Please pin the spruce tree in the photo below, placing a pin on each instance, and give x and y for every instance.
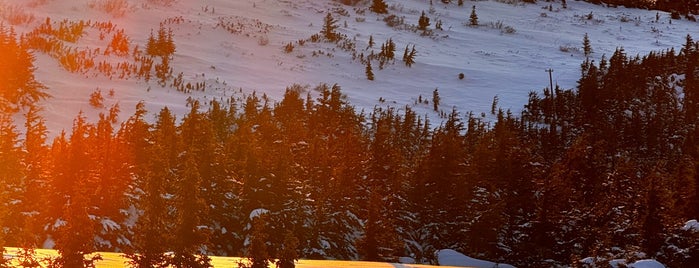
(18, 87)
(587, 48)
(36, 166)
(190, 205)
(371, 41)
(409, 57)
(390, 49)
(257, 251)
(379, 6)
(329, 28)
(73, 189)
(473, 19)
(423, 22)
(369, 71)
(289, 251)
(155, 162)
(435, 99)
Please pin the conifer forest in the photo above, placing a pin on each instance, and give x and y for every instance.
(609, 168)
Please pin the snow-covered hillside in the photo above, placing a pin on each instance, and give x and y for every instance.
(237, 46)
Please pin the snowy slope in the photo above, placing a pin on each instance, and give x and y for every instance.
(251, 58)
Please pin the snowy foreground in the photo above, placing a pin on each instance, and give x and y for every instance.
(449, 257)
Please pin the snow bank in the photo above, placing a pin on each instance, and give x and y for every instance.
(615, 263)
(646, 264)
(691, 225)
(450, 257)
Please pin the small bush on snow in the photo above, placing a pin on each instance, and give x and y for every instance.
(15, 14)
(116, 8)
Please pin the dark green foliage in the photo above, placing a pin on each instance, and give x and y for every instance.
(369, 72)
(409, 56)
(587, 47)
(379, 7)
(18, 88)
(289, 251)
(257, 251)
(473, 19)
(681, 7)
(329, 30)
(162, 45)
(436, 100)
(423, 22)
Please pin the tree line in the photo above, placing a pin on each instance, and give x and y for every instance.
(608, 169)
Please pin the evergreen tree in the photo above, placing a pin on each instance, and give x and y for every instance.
(10, 174)
(371, 41)
(190, 206)
(587, 48)
(423, 22)
(73, 188)
(18, 87)
(435, 100)
(36, 166)
(150, 240)
(257, 251)
(289, 253)
(409, 57)
(369, 71)
(329, 30)
(379, 6)
(473, 19)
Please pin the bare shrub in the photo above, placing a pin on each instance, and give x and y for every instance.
(263, 40)
(96, 99)
(15, 14)
(569, 49)
(36, 3)
(166, 3)
(116, 8)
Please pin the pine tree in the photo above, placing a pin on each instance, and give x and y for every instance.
(435, 99)
(329, 28)
(18, 87)
(10, 174)
(423, 22)
(390, 49)
(409, 57)
(473, 19)
(379, 6)
(154, 163)
(289, 251)
(371, 41)
(587, 48)
(369, 71)
(190, 205)
(36, 166)
(257, 251)
(73, 187)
